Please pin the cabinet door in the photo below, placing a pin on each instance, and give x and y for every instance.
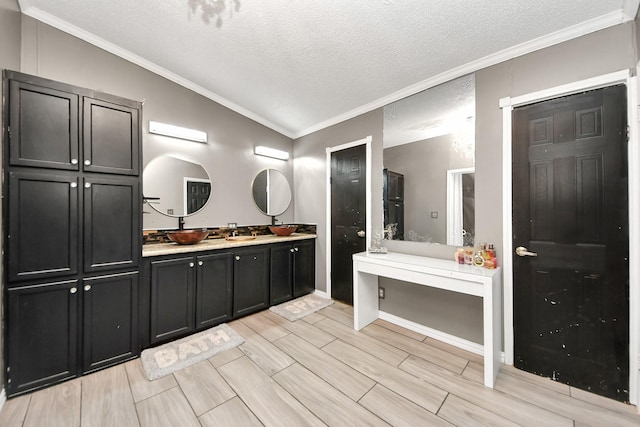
(111, 223)
(304, 268)
(42, 330)
(43, 125)
(110, 320)
(250, 280)
(172, 298)
(43, 224)
(111, 137)
(213, 289)
(281, 274)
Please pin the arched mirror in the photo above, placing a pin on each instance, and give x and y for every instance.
(176, 185)
(271, 192)
(429, 165)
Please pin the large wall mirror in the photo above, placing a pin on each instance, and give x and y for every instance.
(271, 192)
(176, 185)
(429, 165)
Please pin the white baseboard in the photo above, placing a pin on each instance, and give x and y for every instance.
(436, 334)
(322, 294)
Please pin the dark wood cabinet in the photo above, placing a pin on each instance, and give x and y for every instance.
(72, 207)
(292, 270)
(42, 231)
(111, 132)
(189, 293)
(250, 280)
(43, 126)
(304, 267)
(111, 222)
(172, 298)
(42, 335)
(110, 312)
(214, 281)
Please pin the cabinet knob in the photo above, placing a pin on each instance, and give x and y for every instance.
(73, 184)
(200, 263)
(296, 249)
(191, 265)
(291, 250)
(87, 162)
(87, 185)
(74, 161)
(73, 290)
(237, 257)
(87, 287)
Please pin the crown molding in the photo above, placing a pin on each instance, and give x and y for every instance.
(625, 14)
(86, 36)
(587, 27)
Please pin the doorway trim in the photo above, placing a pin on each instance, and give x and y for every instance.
(454, 205)
(364, 141)
(508, 104)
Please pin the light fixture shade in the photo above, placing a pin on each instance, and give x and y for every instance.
(177, 132)
(271, 152)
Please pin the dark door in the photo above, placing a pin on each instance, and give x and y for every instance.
(111, 137)
(42, 324)
(571, 305)
(281, 272)
(172, 298)
(250, 280)
(43, 125)
(348, 217)
(198, 194)
(111, 222)
(214, 280)
(110, 327)
(42, 224)
(304, 268)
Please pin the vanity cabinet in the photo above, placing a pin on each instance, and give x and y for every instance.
(189, 293)
(72, 229)
(250, 280)
(292, 272)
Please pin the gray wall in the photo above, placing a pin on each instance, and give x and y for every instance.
(310, 176)
(9, 59)
(599, 53)
(228, 157)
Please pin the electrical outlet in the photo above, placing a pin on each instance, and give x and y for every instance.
(381, 293)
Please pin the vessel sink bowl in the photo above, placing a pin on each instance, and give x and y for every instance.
(187, 237)
(283, 230)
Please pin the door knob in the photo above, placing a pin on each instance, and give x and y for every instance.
(361, 233)
(522, 251)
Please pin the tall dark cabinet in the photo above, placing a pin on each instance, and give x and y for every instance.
(72, 230)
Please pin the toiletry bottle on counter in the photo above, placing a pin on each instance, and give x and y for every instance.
(459, 256)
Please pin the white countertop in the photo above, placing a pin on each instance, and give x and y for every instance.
(157, 249)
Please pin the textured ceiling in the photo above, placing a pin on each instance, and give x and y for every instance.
(299, 66)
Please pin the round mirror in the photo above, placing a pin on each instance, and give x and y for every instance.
(176, 185)
(271, 192)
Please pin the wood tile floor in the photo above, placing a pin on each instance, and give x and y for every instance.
(318, 371)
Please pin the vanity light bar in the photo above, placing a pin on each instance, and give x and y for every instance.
(271, 152)
(177, 132)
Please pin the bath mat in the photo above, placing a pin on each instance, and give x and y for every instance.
(301, 307)
(173, 356)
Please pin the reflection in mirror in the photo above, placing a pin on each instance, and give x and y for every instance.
(176, 185)
(271, 192)
(429, 160)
